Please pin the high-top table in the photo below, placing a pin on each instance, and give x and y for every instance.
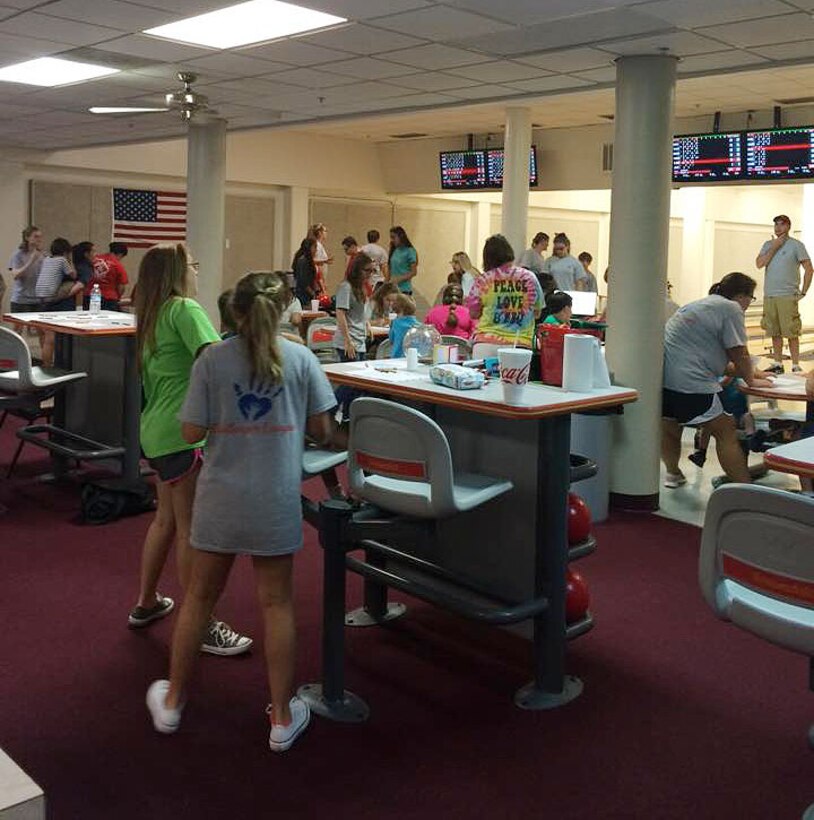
(796, 458)
(106, 406)
(516, 547)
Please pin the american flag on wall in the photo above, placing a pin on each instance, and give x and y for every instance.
(143, 218)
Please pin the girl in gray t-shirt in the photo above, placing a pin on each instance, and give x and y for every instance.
(255, 396)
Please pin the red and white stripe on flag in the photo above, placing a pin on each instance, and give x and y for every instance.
(142, 218)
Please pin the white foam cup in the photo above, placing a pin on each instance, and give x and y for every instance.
(412, 358)
(514, 364)
(315, 305)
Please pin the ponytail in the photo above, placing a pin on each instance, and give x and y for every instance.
(734, 284)
(257, 305)
(452, 296)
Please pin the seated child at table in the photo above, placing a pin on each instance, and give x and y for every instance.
(405, 319)
(450, 318)
(558, 306)
(737, 405)
(380, 304)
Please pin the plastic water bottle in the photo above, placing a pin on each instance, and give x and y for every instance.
(95, 299)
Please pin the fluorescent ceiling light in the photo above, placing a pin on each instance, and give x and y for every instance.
(50, 71)
(254, 22)
(121, 110)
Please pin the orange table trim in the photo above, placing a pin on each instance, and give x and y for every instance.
(788, 465)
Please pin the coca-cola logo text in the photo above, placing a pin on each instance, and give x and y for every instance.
(515, 375)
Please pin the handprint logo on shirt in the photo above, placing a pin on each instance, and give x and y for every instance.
(256, 401)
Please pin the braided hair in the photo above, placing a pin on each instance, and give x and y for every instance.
(453, 296)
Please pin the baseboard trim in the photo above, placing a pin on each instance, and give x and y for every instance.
(634, 503)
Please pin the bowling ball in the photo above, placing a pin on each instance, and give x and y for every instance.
(579, 519)
(577, 597)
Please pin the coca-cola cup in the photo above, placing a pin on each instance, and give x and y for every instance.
(514, 363)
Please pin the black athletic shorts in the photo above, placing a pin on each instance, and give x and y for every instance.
(174, 467)
(685, 407)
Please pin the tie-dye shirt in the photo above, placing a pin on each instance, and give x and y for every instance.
(507, 298)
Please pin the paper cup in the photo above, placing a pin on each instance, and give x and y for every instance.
(412, 359)
(514, 363)
(315, 305)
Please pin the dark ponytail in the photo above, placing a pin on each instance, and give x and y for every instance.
(734, 284)
(452, 296)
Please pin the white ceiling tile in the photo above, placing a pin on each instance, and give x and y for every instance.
(499, 71)
(529, 12)
(248, 87)
(369, 68)
(56, 29)
(442, 23)
(295, 52)
(432, 81)
(570, 59)
(142, 45)
(477, 92)
(361, 39)
(784, 29)
(554, 82)
(112, 13)
(57, 119)
(680, 43)
(696, 13)
(234, 64)
(788, 51)
(435, 56)
(361, 92)
(12, 48)
(23, 4)
(365, 9)
(720, 60)
(599, 75)
(7, 11)
(309, 78)
(182, 8)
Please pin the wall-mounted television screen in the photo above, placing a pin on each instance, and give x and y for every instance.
(707, 157)
(478, 169)
(782, 153)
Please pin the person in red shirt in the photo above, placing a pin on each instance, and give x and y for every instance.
(110, 275)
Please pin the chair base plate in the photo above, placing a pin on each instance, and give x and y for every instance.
(532, 698)
(361, 617)
(351, 709)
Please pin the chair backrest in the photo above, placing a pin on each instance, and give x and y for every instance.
(385, 349)
(15, 355)
(397, 442)
(756, 566)
(287, 327)
(320, 338)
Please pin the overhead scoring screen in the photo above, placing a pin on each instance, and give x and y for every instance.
(707, 157)
(782, 153)
(468, 170)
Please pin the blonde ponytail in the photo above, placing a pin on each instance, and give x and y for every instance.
(257, 304)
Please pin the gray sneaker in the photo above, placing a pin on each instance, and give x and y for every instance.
(221, 639)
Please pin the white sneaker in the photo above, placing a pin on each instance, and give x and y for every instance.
(221, 639)
(165, 720)
(796, 369)
(673, 480)
(282, 738)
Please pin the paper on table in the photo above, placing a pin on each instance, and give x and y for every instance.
(785, 382)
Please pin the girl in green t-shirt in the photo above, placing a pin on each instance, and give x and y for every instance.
(171, 330)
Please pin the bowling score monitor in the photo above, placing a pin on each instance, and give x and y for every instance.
(707, 157)
(780, 153)
(479, 169)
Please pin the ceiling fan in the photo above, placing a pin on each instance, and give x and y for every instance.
(185, 101)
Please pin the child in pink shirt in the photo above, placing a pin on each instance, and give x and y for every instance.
(450, 318)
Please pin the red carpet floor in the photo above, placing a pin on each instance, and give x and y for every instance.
(682, 716)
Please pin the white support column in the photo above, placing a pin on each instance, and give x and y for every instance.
(13, 214)
(515, 207)
(297, 219)
(640, 222)
(807, 238)
(481, 228)
(206, 185)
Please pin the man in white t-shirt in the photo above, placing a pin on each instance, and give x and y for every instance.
(379, 256)
(782, 257)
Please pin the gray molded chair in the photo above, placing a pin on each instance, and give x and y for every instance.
(399, 459)
(756, 566)
(316, 460)
(385, 349)
(25, 377)
(320, 339)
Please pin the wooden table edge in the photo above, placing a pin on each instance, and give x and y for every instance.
(788, 465)
(123, 330)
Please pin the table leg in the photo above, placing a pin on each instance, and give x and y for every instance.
(63, 359)
(551, 687)
(132, 412)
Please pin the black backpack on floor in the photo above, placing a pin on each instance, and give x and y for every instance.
(106, 501)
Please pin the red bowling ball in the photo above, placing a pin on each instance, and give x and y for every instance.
(579, 519)
(577, 597)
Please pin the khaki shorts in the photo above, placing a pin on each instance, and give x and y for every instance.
(781, 316)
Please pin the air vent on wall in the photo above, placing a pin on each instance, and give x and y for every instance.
(409, 135)
(797, 101)
(607, 157)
